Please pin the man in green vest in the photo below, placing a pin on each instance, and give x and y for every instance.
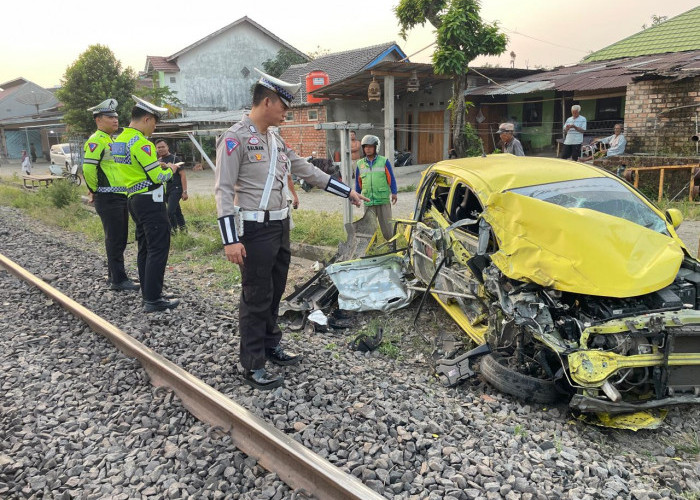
(100, 172)
(144, 176)
(374, 178)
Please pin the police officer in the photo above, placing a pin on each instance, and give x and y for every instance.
(100, 172)
(143, 176)
(252, 162)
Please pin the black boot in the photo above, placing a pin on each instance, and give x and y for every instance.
(127, 284)
(159, 305)
(279, 357)
(260, 379)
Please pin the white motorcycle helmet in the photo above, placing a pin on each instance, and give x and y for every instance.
(370, 140)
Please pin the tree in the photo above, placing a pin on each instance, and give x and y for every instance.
(655, 21)
(92, 78)
(461, 37)
(162, 96)
(284, 59)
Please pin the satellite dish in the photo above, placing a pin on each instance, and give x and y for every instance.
(34, 97)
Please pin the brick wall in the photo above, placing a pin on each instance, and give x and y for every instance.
(652, 125)
(300, 134)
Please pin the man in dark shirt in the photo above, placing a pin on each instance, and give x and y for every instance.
(175, 189)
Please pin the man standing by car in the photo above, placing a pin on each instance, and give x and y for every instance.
(175, 189)
(510, 144)
(574, 127)
(144, 176)
(375, 179)
(252, 163)
(101, 173)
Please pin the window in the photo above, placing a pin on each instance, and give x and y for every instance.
(172, 79)
(532, 112)
(601, 194)
(609, 108)
(312, 115)
(289, 117)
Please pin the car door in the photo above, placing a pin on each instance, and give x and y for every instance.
(441, 245)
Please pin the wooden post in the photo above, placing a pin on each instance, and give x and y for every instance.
(661, 185)
(692, 184)
(636, 178)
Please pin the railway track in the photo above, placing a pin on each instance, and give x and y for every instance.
(308, 474)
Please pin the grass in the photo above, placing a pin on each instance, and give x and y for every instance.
(200, 248)
(686, 442)
(690, 210)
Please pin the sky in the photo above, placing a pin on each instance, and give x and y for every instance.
(43, 38)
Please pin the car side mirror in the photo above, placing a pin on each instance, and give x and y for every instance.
(674, 217)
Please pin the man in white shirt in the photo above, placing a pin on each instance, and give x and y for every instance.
(574, 127)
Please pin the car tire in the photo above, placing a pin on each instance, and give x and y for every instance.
(495, 369)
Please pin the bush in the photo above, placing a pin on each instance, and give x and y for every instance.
(62, 193)
(472, 140)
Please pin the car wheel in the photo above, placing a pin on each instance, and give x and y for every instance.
(497, 372)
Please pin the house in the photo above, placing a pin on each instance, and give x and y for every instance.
(415, 118)
(216, 73)
(650, 81)
(29, 115)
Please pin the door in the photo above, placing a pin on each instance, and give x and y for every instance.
(431, 126)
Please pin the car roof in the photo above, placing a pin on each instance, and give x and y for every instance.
(502, 172)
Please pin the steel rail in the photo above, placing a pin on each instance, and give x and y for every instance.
(297, 466)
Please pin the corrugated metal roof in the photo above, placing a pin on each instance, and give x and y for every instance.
(678, 34)
(597, 76)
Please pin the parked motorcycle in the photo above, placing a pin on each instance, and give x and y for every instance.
(403, 158)
(326, 165)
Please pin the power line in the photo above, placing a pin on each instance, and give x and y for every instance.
(544, 41)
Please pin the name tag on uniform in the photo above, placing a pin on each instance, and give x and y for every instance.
(118, 148)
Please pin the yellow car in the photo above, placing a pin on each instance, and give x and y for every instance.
(579, 285)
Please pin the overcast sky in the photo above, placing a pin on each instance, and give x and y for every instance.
(40, 39)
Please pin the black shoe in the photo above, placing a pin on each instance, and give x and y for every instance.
(279, 357)
(124, 285)
(159, 305)
(260, 379)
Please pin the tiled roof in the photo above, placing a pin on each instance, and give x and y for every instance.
(340, 65)
(159, 63)
(599, 75)
(678, 34)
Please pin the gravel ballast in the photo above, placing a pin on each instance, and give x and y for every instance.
(79, 419)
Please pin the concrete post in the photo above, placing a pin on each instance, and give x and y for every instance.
(389, 118)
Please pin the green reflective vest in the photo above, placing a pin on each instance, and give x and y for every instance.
(99, 168)
(374, 183)
(139, 168)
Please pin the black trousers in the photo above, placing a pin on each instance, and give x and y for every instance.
(153, 237)
(264, 276)
(114, 214)
(177, 220)
(571, 150)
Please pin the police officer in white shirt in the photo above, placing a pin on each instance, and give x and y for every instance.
(252, 163)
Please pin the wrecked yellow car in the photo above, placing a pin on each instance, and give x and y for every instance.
(577, 284)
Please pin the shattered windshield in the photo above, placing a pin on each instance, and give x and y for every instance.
(601, 194)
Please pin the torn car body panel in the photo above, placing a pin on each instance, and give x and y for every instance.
(371, 284)
(577, 249)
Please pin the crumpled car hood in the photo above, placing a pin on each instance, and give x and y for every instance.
(579, 250)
